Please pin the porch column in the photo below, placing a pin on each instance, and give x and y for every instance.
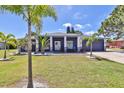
(65, 44)
(37, 46)
(51, 43)
(79, 44)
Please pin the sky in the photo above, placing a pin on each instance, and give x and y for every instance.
(86, 18)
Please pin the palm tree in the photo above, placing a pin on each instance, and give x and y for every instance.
(21, 42)
(90, 40)
(32, 14)
(44, 42)
(8, 39)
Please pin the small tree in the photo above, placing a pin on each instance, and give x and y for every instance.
(78, 32)
(90, 40)
(44, 42)
(7, 40)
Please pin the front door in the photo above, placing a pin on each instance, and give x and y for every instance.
(57, 45)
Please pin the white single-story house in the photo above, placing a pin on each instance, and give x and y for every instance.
(66, 42)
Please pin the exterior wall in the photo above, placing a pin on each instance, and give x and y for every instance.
(97, 45)
(48, 48)
(116, 44)
(74, 39)
(33, 45)
(39, 46)
(23, 49)
(84, 47)
(62, 43)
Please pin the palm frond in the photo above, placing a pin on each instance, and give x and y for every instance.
(15, 9)
(85, 37)
(44, 11)
(22, 42)
(2, 37)
(12, 40)
(40, 11)
(91, 39)
(43, 41)
(10, 36)
(8, 39)
(11, 43)
(37, 22)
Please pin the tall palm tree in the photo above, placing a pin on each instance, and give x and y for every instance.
(32, 14)
(8, 39)
(90, 40)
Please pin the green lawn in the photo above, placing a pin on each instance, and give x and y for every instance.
(64, 71)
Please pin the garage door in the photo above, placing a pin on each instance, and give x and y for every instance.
(97, 45)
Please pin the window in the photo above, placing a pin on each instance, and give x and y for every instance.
(69, 44)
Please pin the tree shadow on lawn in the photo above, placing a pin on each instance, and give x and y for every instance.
(38, 82)
(19, 54)
(7, 59)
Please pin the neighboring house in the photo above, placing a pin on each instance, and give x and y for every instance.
(115, 44)
(66, 42)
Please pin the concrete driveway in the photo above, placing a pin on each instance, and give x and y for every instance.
(114, 56)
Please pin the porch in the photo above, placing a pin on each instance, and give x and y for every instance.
(65, 44)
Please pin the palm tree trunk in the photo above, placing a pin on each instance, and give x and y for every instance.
(5, 51)
(30, 82)
(91, 46)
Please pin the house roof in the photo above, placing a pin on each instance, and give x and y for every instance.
(63, 34)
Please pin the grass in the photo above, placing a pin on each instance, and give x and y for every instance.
(64, 71)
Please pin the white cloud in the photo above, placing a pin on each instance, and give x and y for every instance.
(86, 26)
(60, 29)
(78, 26)
(79, 16)
(89, 33)
(67, 24)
